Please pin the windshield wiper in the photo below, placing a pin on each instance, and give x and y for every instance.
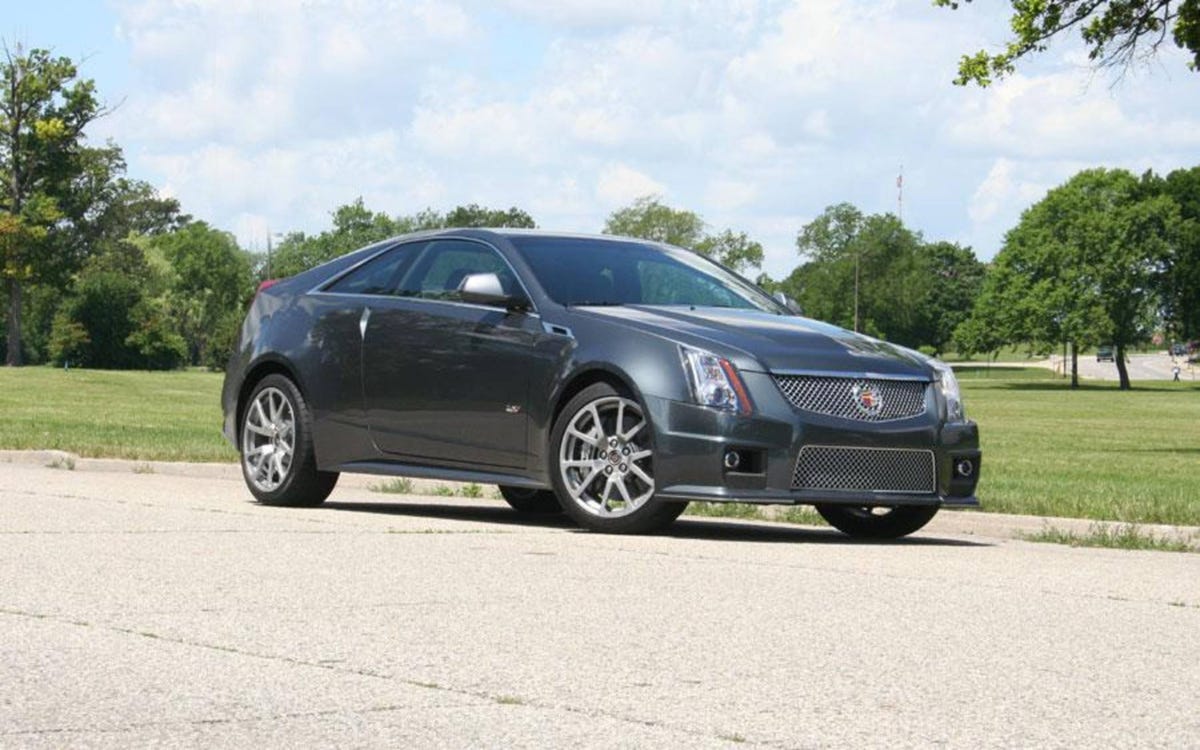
(590, 303)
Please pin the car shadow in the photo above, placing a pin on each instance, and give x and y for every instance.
(686, 527)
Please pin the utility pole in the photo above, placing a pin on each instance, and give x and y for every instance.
(268, 253)
(900, 195)
(857, 252)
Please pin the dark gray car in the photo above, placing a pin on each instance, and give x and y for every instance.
(611, 378)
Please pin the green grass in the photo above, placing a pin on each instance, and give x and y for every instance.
(1125, 536)
(1006, 354)
(724, 510)
(798, 514)
(145, 416)
(1093, 453)
(400, 486)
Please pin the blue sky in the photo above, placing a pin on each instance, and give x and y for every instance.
(263, 116)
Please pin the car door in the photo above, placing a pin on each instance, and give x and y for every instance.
(443, 380)
(334, 352)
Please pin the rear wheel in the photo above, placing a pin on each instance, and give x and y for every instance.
(530, 501)
(603, 464)
(278, 462)
(877, 523)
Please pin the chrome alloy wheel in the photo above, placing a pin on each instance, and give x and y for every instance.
(605, 464)
(269, 439)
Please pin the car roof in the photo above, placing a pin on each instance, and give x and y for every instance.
(515, 232)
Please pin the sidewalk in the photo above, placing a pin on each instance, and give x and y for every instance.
(965, 522)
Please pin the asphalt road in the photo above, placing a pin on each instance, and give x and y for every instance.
(141, 609)
(1157, 366)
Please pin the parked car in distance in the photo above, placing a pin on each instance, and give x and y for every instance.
(1105, 354)
(609, 378)
(1178, 350)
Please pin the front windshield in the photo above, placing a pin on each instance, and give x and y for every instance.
(584, 271)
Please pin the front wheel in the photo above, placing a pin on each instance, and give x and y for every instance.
(278, 461)
(877, 523)
(603, 464)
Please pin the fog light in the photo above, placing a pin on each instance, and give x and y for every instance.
(733, 459)
(964, 468)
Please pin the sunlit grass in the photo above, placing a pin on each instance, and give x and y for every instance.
(168, 416)
(1095, 452)
(1125, 536)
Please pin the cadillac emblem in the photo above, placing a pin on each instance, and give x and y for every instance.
(866, 399)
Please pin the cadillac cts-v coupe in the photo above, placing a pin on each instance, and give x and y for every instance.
(610, 378)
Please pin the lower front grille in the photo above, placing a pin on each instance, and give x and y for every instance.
(865, 470)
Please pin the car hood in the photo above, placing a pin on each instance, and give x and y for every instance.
(773, 343)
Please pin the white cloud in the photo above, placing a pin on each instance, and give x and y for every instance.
(756, 113)
(618, 184)
(729, 194)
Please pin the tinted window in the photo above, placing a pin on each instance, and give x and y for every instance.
(379, 275)
(445, 263)
(580, 271)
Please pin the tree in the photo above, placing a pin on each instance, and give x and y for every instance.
(733, 250)
(210, 276)
(356, 226)
(474, 215)
(1083, 266)
(648, 218)
(43, 112)
(1117, 33)
(1180, 285)
(956, 276)
(872, 274)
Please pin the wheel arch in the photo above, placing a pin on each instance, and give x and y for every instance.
(254, 375)
(589, 375)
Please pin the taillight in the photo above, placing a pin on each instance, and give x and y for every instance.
(267, 285)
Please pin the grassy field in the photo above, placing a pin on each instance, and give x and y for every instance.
(1092, 453)
(168, 416)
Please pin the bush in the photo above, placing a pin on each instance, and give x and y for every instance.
(158, 346)
(69, 340)
(222, 341)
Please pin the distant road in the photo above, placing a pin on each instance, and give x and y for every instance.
(1156, 366)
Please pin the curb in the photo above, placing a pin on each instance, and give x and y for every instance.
(960, 522)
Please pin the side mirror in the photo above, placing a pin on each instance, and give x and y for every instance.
(788, 302)
(486, 289)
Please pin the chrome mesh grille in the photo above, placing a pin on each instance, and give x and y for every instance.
(839, 397)
(865, 469)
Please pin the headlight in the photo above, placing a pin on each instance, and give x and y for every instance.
(948, 387)
(714, 381)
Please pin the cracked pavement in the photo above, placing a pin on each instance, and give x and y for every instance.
(142, 609)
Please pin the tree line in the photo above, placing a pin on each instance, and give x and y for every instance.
(101, 271)
(1105, 258)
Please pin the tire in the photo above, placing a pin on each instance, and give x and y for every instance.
(877, 523)
(275, 412)
(589, 462)
(524, 500)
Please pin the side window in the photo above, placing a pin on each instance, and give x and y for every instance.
(445, 263)
(379, 275)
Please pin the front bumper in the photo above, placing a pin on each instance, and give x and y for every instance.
(691, 443)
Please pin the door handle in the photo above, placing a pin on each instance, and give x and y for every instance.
(362, 322)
